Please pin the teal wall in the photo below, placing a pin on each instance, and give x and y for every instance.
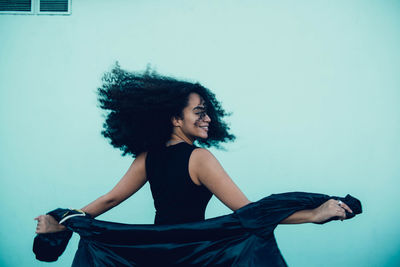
(314, 88)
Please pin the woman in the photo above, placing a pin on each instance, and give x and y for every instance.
(157, 119)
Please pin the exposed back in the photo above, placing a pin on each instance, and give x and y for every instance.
(176, 198)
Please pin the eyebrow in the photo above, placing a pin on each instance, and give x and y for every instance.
(199, 108)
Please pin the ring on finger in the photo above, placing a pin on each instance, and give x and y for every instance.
(339, 203)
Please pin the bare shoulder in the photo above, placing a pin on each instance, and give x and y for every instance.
(205, 170)
(139, 162)
(141, 156)
(199, 160)
(201, 156)
(203, 163)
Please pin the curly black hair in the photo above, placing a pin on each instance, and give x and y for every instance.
(140, 106)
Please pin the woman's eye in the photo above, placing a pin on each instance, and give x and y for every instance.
(201, 114)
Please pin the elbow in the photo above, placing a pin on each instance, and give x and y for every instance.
(240, 205)
(110, 201)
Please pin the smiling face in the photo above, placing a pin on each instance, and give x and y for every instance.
(195, 121)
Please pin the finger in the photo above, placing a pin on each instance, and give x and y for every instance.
(344, 205)
(339, 212)
(342, 214)
(39, 217)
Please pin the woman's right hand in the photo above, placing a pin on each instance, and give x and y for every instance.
(329, 209)
(47, 224)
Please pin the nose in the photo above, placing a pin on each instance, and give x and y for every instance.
(207, 118)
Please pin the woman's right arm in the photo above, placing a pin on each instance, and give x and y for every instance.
(129, 184)
(206, 170)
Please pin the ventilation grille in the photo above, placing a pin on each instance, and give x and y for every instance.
(35, 7)
(16, 5)
(53, 6)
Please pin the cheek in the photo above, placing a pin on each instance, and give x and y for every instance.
(198, 123)
(195, 121)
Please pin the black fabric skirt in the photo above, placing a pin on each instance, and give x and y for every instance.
(243, 238)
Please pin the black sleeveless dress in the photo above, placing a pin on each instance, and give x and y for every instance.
(176, 198)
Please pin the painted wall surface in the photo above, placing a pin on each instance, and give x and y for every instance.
(314, 88)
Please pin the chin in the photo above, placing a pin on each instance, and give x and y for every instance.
(202, 136)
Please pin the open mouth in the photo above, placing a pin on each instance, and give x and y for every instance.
(204, 127)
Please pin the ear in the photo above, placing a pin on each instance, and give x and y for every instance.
(176, 121)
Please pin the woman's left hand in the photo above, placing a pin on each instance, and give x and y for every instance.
(329, 209)
(47, 224)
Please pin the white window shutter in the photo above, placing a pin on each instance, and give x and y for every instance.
(15, 5)
(54, 6)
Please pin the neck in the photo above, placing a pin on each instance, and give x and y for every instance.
(178, 138)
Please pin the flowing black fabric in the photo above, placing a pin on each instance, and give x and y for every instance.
(243, 238)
